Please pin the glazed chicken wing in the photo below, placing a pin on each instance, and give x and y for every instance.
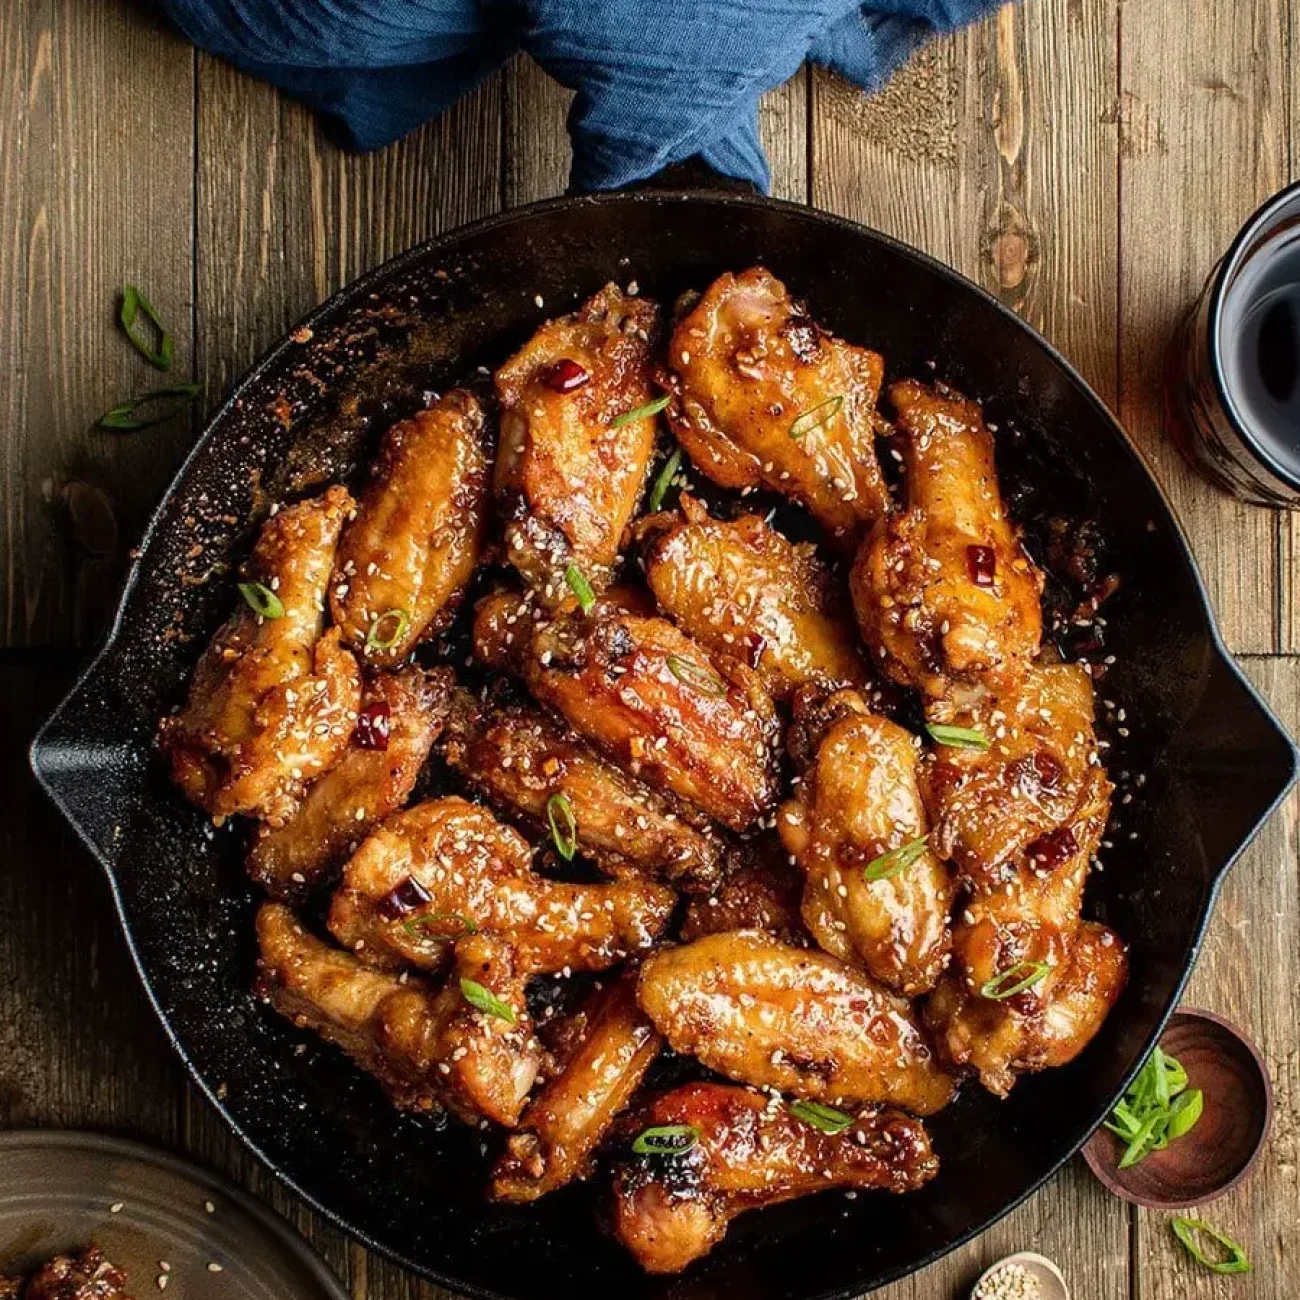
(404, 561)
(748, 1151)
(274, 698)
(447, 867)
(527, 763)
(944, 591)
(767, 1014)
(401, 716)
(571, 465)
(559, 1132)
(857, 802)
(761, 893)
(741, 589)
(764, 397)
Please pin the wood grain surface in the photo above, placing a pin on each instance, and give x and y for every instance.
(1085, 160)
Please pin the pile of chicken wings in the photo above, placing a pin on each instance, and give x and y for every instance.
(685, 788)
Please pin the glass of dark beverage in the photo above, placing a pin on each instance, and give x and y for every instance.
(1235, 390)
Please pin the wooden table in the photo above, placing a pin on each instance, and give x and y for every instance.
(1087, 160)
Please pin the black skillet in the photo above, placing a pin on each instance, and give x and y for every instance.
(1212, 759)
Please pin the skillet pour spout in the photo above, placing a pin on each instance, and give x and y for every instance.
(1211, 759)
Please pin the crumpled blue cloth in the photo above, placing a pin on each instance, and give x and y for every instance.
(657, 81)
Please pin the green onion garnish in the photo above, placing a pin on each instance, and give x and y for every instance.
(697, 678)
(486, 1001)
(134, 302)
(1234, 1261)
(427, 927)
(641, 412)
(580, 587)
(173, 400)
(377, 640)
(957, 737)
(666, 1140)
(820, 414)
(826, 1118)
(896, 860)
(1157, 1108)
(1023, 975)
(665, 479)
(564, 825)
(261, 600)
(1184, 1114)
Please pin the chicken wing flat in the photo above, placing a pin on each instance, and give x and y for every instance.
(858, 802)
(527, 763)
(945, 591)
(761, 893)
(767, 1014)
(568, 1118)
(764, 397)
(742, 589)
(749, 1151)
(401, 716)
(447, 867)
(85, 1275)
(571, 464)
(404, 561)
(274, 698)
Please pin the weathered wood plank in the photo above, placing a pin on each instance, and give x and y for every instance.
(1202, 125)
(1248, 972)
(1289, 613)
(95, 191)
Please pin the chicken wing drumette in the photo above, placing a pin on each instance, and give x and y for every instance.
(742, 589)
(273, 700)
(446, 867)
(764, 1013)
(944, 591)
(401, 716)
(404, 561)
(575, 445)
(764, 397)
(746, 1150)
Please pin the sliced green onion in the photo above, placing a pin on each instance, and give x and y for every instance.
(826, 1118)
(134, 302)
(1023, 975)
(818, 415)
(1157, 1109)
(1185, 1113)
(957, 737)
(427, 927)
(580, 587)
(126, 415)
(697, 678)
(261, 599)
(375, 640)
(1159, 1078)
(664, 481)
(559, 812)
(1234, 1261)
(486, 1001)
(1144, 1141)
(890, 864)
(666, 1140)
(641, 412)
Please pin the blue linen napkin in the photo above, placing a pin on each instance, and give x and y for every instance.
(657, 81)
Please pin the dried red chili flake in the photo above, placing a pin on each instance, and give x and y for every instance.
(1048, 769)
(566, 375)
(1052, 850)
(982, 562)
(373, 725)
(403, 899)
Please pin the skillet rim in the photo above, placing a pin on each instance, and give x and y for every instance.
(356, 288)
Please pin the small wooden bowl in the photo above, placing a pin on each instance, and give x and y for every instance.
(1218, 1153)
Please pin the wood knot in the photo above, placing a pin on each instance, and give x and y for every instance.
(1011, 255)
(91, 515)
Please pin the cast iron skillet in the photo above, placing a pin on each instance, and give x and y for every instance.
(1214, 760)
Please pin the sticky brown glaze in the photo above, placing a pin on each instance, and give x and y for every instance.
(273, 700)
(761, 892)
(361, 789)
(569, 474)
(751, 1151)
(858, 801)
(447, 866)
(774, 1016)
(84, 1275)
(944, 591)
(521, 759)
(417, 533)
(741, 589)
(566, 1121)
(747, 361)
